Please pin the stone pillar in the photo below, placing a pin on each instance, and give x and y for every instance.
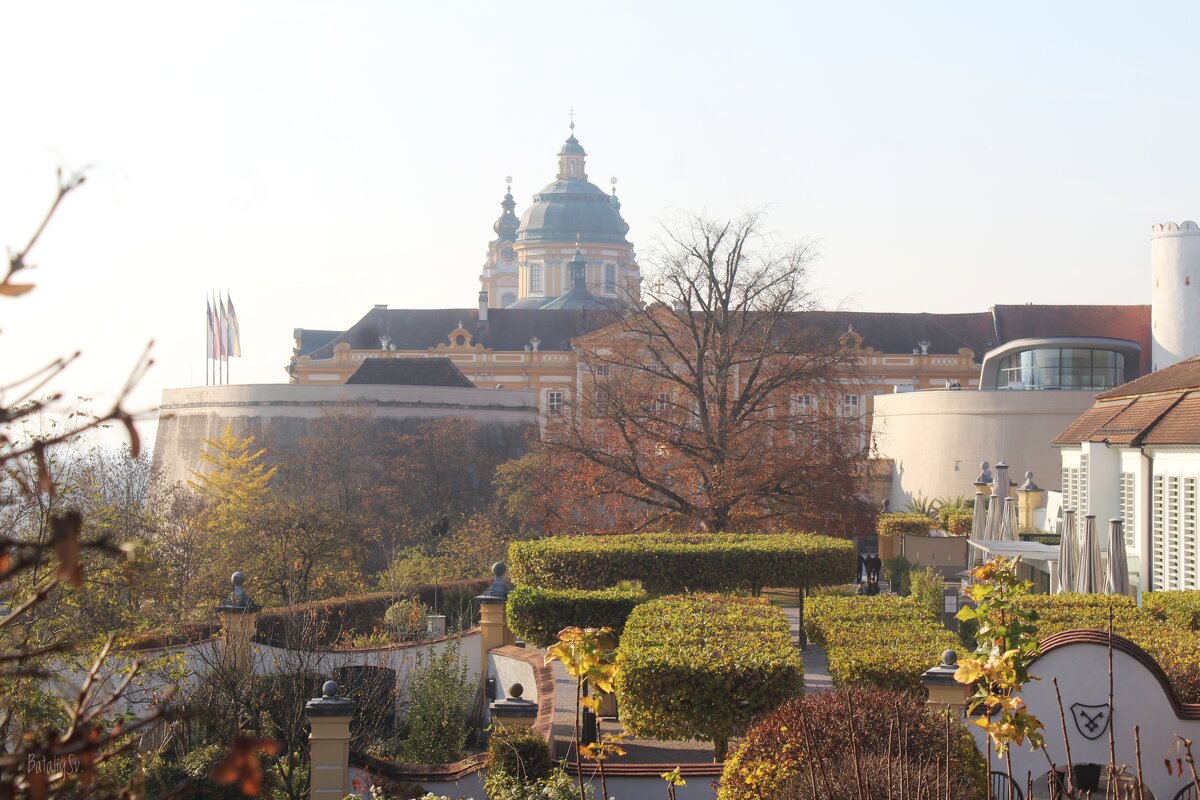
(944, 691)
(239, 619)
(329, 744)
(1030, 497)
(493, 625)
(514, 711)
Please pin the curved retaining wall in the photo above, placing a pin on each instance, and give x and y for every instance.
(937, 438)
(280, 415)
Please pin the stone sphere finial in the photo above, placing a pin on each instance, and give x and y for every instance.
(1029, 475)
(949, 658)
(499, 569)
(329, 689)
(516, 690)
(238, 578)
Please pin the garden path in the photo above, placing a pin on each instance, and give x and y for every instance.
(816, 664)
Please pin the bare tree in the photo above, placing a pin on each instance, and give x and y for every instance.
(715, 402)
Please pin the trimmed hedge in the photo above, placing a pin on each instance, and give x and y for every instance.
(956, 521)
(899, 523)
(1181, 608)
(667, 563)
(884, 641)
(704, 666)
(324, 622)
(537, 615)
(1041, 538)
(1168, 640)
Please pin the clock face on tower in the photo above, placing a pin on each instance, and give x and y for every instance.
(508, 255)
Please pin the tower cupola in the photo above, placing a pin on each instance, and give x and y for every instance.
(506, 225)
(571, 158)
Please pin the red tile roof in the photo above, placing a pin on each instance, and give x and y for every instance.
(1091, 421)
(1181, 425)
(1162, 408)
(1177, 377)
(1134, 420)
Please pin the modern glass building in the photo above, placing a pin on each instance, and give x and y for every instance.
(1083, 364)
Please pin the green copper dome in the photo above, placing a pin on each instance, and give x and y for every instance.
(572, 206)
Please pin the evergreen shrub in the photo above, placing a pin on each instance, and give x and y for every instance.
(901, 523)
(704, 666)
(537, 615)
(520, 753)
(668, 563)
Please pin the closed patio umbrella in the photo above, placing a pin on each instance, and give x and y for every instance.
(1000, 488)
(1089, 579)
(1116, 577)
(978, 528)
(1007, 532)
(1068, 553)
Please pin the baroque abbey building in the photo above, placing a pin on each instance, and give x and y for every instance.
(529, 262)
(553, 273)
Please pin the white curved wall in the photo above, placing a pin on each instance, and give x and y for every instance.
(280, 414)
(1175, 292)
(937, 438)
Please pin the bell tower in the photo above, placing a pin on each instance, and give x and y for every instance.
(499, 277)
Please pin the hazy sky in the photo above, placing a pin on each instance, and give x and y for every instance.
(318, 158)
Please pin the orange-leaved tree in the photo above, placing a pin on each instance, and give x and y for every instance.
(716, 401)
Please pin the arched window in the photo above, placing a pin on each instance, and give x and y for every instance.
(507, 300)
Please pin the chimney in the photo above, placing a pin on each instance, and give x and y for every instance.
(483, 306)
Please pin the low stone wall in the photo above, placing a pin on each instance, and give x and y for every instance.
(946, 554)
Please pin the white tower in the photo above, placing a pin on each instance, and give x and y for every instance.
(1175, 296)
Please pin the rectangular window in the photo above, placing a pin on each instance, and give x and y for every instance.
(804, 405)
(662, 403)
(610, 278)
(535, 278)
(554, 402)
(600, 370)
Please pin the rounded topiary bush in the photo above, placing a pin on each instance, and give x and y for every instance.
(520, 753)
(815, 731)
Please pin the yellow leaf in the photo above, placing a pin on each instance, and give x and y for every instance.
(15, 289)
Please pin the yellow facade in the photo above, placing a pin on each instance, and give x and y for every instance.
(545, 372)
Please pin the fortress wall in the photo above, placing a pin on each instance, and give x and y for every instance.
(280, 415)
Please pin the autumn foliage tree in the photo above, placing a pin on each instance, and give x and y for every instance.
(713, 403)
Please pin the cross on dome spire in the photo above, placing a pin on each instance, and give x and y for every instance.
(571, 156)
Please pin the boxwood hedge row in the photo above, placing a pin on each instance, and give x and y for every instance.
(885, 641)
(537, 615)
(704, 666)
(1165, 635)
(1181, 608)
(900, 523)
(667, 563)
